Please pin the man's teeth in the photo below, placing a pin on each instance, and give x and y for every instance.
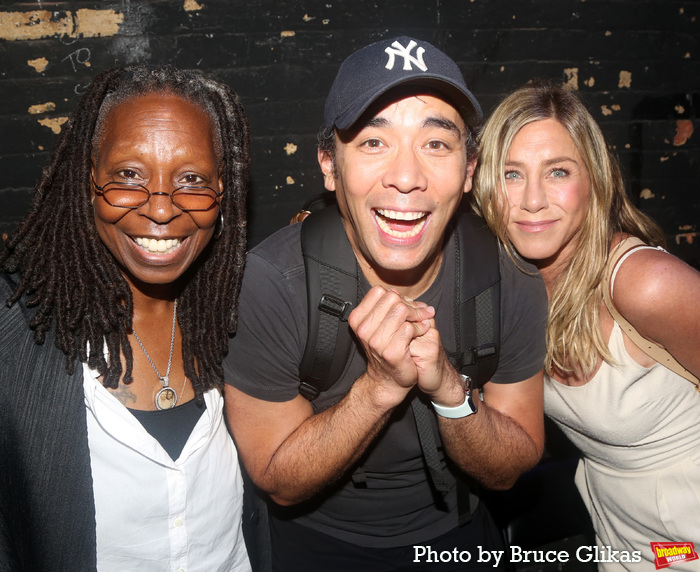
(162, 246)
(387, 215)
(398, 215)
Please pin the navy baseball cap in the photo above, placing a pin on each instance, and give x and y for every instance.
(375, 69)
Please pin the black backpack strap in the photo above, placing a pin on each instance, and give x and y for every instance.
(477, 315)
(477, 300)
(333, 290)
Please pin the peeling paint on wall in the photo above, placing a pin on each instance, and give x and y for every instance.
(688, 237)
(287, 33)
(192, 5)
(571, 75)
(684, 130)
(308, 18)
(625, 79)
(44, 24)
(609, 110)
(54, 124)
(38, 64)
(590, 82)
(42, 108)
(647, 194)
(290, 148)
(290, 181)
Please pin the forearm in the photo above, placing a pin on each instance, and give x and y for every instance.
(489, 446)
(325, 446)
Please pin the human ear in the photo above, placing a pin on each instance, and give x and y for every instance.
(469, 179)
(325, 160)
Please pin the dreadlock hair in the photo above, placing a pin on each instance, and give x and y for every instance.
(574, 340)
(69, 275)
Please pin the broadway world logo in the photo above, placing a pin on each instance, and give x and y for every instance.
(669, 553)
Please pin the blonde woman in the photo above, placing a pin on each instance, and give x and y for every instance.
(551, 190)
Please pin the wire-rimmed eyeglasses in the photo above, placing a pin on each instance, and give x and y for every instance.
(135, 195)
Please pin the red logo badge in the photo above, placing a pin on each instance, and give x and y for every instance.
(669, 553)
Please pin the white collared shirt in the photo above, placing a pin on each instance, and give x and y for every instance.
(157, 514)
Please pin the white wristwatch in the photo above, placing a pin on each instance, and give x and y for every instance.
(464, 410)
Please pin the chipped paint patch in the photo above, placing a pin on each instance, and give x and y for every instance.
(44, 24)
(288, 33)
(42, 108)
(54, 123)
(688, 237)
(684, 131)
(590, 82)
(664, 159)
(571, 75)
(625, 79)
(192, 5)
(38, 64)
(308, 18)
(679, 109)
(97, 23)
(290, 148)
(647, 194)
(605, 110)
(290, 181)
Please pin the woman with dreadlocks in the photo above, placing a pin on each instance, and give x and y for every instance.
(121, 285)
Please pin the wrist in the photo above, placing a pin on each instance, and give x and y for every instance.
(377, 396)
(451, 391)
(465, 407)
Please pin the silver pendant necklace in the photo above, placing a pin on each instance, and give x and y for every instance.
(166, 398)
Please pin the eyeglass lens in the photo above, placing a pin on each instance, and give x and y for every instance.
(133, 196)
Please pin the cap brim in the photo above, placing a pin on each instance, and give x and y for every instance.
(465, 103)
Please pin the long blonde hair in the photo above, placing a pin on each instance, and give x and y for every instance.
(574, 340)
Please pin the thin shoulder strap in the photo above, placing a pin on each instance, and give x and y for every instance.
(617, 256)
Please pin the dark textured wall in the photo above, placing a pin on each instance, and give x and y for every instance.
(637, 63)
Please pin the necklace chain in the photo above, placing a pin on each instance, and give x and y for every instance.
(166, 398)
(164, 379)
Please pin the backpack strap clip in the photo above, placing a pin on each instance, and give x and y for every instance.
(477, 354)
(335, 307)
(308, 390)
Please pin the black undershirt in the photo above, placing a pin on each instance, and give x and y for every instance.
(171, 427)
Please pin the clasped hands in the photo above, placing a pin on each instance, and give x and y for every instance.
(403, 349)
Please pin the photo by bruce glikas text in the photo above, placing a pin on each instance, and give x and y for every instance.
(516, 555)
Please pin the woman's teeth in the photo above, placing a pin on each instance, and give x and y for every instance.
(403, 219)
(162, 246)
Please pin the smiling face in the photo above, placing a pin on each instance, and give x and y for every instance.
(162, 142)
(399, 180)
(549, 193)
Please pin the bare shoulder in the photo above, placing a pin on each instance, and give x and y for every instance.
(653, 281)
(658, 294)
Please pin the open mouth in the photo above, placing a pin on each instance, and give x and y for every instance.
(158, 246)
(401, 224)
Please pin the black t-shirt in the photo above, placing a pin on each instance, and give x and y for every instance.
(397, 507)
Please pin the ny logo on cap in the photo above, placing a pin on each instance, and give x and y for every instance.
(396, 49)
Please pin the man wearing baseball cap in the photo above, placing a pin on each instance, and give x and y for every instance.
(355, 483)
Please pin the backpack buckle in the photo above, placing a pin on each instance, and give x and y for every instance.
(477, 354)
(335, 307)
(308, 390)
